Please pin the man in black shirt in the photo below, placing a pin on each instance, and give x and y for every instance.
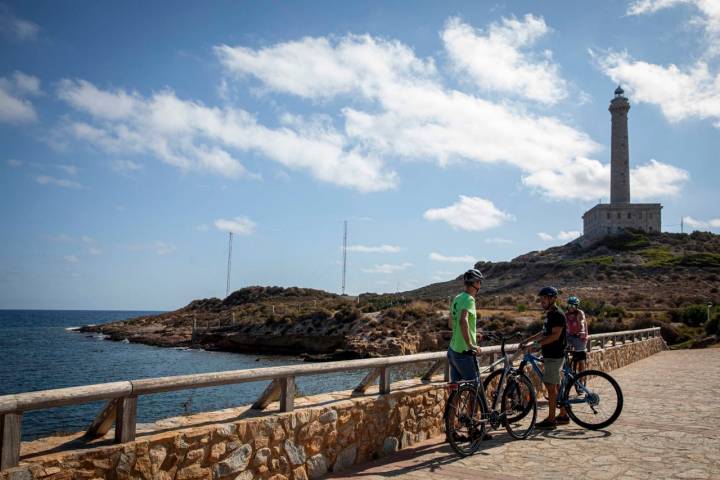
(552, 341)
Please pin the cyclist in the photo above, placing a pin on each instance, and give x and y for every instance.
(551, 339)
(463, 322)
(577, 333)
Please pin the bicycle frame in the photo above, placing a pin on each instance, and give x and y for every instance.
(568, 378)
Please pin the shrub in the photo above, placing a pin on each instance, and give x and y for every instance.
(522, 307)
(692, 315)
(713, 326)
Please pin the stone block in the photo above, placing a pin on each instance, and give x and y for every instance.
(317, 466)
(345, 459)
(234, 463)
(295, 453)
(390, 445)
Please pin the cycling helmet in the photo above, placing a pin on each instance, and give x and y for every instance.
(548, 292)
(573, 300)
(472, 275)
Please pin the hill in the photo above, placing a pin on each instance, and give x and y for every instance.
(631, 281)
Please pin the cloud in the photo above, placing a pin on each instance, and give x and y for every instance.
(438, 257)
(397, 105)
(95, 251)
(680, 92)
(374, 249)
(562, 235)
(58, 182)
(589, 180)
(69, 169)
(71, 259)
(388, 268)
(470, 213)
(162, 248)
(237, 225)
(14, 108)
(14, 163)
(709, 19)
(17, 28)
(191, 136)
(125, 165)
(712, 223)
(202, 227)
(495, 60)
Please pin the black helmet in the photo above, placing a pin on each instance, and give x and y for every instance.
(548, 292)
(472, 275)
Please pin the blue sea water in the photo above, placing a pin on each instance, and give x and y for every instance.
(39, 352)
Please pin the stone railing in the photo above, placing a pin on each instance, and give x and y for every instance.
(348, 428)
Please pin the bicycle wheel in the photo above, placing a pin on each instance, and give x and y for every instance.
(490, 385)
(519, 406)
(593, 400)
(463, 427)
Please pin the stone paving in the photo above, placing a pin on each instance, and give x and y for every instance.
(669, 429)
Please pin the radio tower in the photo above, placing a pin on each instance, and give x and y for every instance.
(344, 257)
(229, 265)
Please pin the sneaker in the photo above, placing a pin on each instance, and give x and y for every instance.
(546, 425)
(562, 419)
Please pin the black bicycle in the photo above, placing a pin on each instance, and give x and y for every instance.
(468, 417)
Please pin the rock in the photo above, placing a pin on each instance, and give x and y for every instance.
(391, 444)
(125, 463)
(226, 431)
(317, 466)
(235, 463)
(278, 477)
(23, 474)
(193, 472)
(262, 457)
(246, 475)
(217, 451)
(345, 459)
(330, 416)
(295, 453)
(299, 474)
(194, 455)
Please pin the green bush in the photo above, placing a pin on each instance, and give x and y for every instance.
(692, 315)
(522, 307)
(713, 326)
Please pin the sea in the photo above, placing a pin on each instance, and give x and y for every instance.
(42, 349)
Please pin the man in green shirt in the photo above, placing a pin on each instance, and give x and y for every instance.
(463, 322)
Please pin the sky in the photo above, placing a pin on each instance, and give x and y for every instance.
(134, 136)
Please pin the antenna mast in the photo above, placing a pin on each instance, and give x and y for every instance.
(344, 270)
(229, 264)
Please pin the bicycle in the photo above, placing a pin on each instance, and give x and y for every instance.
(468, 417)
(591, 398)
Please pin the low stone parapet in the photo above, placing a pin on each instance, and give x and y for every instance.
(325, 433)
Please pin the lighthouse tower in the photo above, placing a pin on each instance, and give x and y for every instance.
(619, 215)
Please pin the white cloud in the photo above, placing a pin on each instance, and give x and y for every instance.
(570, 235)
(589, 180)
(562, 235)
(14, 109)
(694, 223)
(71, 259)
(412, 114)
(192, 136)
(202, 227)
(387, 268)
(709, 19)
(87, 239)
(125, 165)
(470, 213)
(14, 163)
(680, 92)
(17, 28)
(95, 251)
(58, 182)
(438, 257)
(495, 59)
(374, 248)
(237, 225)
(162, 248)
(499, 240)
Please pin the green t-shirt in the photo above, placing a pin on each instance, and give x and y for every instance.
(464, 301)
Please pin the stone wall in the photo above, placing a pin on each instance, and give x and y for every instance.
(306, 443)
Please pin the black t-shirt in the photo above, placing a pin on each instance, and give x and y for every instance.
(556, 349)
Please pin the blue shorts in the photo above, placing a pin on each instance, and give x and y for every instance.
(462, 366)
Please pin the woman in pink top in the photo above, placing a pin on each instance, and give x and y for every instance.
(577, 333)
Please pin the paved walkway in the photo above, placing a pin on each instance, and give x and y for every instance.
(669, 429)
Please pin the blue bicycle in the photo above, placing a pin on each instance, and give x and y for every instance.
(592, 398)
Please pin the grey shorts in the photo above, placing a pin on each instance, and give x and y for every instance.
(551, 374)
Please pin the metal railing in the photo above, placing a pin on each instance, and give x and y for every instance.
(121, 408)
